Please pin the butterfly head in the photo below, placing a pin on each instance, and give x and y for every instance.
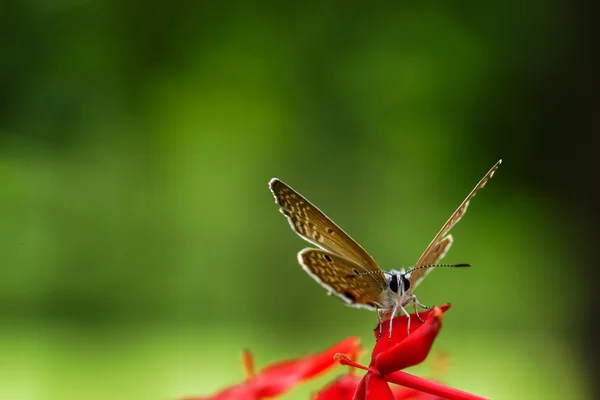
(398, 281)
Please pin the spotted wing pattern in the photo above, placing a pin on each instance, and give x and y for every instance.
(436, 249)
(314, 226)
(354, 284)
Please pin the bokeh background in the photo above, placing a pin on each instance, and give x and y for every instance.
(142, 251)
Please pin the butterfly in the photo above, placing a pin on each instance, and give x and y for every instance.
(345, 269)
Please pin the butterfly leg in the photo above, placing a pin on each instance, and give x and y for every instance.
(408, 323)
(394, 310)
(414, 301)
(417, 302)
(422, 305)
(417, 312)
(379, 310)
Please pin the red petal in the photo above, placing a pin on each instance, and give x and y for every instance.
(280, 377)
(248, 363)
(431, 387)
(410, 394)
(373, 386)
(343, 388)
(406, 350)
(238, 392)
(403, 393)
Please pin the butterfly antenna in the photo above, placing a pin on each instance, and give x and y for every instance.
(437, 266)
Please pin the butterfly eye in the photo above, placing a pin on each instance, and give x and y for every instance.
(394, 283)
(405, 283)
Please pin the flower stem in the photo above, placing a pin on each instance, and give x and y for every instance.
(431, 387)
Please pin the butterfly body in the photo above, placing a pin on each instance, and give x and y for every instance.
(346, 270)
(353, 288)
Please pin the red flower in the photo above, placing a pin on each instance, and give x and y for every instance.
(343, 388)
(387, 360)
(403, 351)
(278, 378)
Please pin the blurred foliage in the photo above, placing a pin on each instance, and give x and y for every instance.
(142, 249)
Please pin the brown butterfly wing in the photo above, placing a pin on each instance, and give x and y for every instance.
(314, 226)
(436, 249)
(354, 284)
(434, 255)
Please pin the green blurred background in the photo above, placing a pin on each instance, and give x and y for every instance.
(141, 247)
